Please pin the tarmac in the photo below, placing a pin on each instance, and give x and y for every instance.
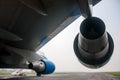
(65, 76)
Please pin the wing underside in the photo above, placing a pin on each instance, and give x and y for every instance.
(30, 24)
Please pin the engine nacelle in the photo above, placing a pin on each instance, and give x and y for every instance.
(93, 45)
(42, 67)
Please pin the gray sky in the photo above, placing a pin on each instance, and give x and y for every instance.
(60, 49)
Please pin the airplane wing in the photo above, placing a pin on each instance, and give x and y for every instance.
(27, 25)
(24, 19)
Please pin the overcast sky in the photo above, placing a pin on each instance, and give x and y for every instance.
(60, 49)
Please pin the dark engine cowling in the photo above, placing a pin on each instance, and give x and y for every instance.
(93, 45)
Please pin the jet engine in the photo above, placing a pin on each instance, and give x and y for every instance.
(42, 67)
(93, 46)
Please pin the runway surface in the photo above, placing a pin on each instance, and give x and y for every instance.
(66, 76)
